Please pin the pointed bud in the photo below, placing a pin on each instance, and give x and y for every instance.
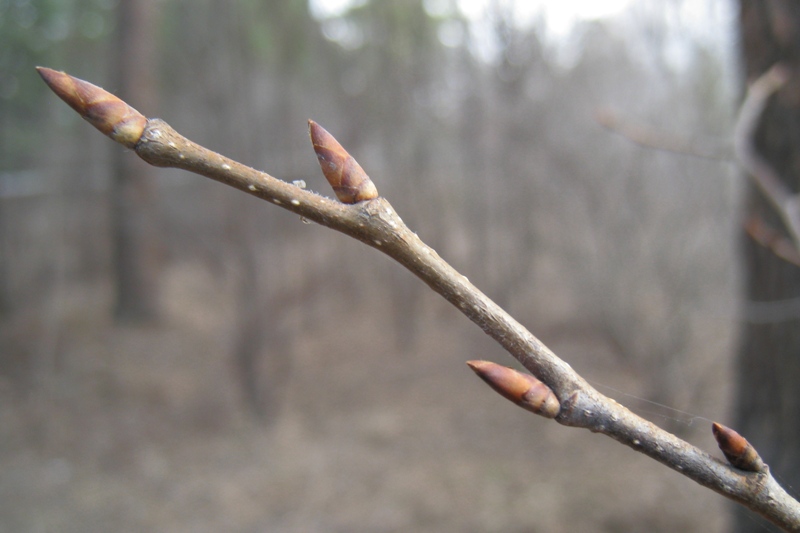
(522, 389)
(102, 109)
(737, 450)
(349, 181)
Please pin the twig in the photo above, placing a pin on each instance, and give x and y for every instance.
(375, 223)
(648, 137)
(786, 204)
(772, 239)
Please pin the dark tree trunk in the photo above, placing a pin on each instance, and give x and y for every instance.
(135, 241)
(768, 400)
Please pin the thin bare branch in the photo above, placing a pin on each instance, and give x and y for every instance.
(375, 223)
(786, 204)
(772, 239)
(648, 137)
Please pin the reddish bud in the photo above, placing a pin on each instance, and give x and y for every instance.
(521, 389)
(102, 109)
(737, 450)
(349, 181)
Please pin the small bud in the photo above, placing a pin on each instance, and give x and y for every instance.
(349, 181)
(102, 109)
(521, 389)
(737, 450)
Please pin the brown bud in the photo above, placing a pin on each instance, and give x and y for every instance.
(737, 450)
(102, 109)
(349, 181)
(522, 389)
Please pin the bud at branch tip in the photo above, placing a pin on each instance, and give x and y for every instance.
(103, 110)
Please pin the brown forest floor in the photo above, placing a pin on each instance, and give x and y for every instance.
(143, 429)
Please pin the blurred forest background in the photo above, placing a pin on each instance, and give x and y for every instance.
(256, 373)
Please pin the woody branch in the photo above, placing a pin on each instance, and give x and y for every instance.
(369, 218)
(744, 149)
(785, 203)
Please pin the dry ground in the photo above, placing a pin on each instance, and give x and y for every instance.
(109, 428)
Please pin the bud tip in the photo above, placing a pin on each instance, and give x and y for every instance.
(103, 110)
(348, 180)
(522, 389)
(736, 449)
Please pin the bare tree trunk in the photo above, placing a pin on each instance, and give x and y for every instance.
(135, 241)
(768, 400)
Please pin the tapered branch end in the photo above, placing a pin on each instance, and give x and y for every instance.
(737, 450)
(349, 181)
(521, 389)
(103, 110)
(606, 117)
(778, 75)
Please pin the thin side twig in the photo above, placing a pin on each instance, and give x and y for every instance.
(648, 137)
(784, 202)
(772, 239)
(375, 223)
